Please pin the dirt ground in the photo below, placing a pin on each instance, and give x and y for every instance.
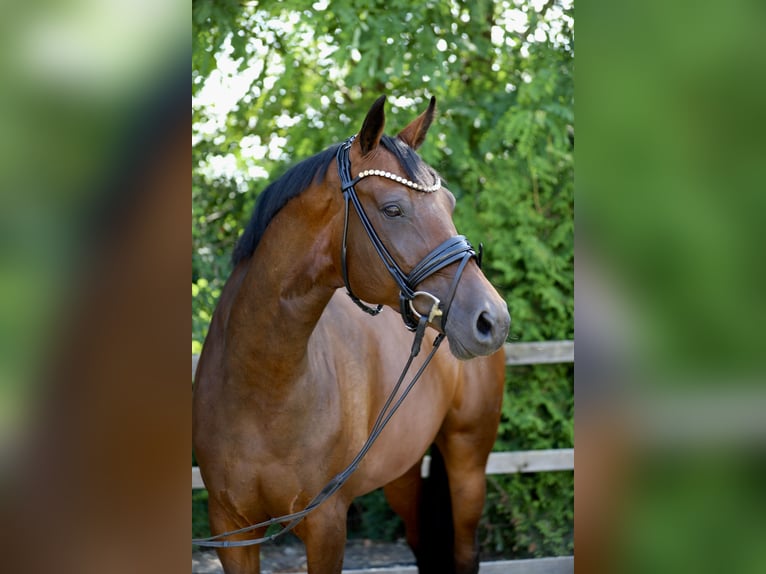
(289, 558)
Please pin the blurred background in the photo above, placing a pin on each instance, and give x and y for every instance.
(94, 200)
(81, 83)
(275, 83)
(670, 371)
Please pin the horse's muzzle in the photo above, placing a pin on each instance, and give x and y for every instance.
(480, 329)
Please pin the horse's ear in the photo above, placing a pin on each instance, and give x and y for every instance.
(415, 133)
(372, 128)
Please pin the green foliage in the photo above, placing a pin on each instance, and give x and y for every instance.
(528, 515)
(200, 526)
(533, 514)
(538, 412)
(503, 141)
(371, 517)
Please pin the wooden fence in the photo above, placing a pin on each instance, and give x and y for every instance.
(526, 461)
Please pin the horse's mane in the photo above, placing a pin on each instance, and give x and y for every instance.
(301, 175)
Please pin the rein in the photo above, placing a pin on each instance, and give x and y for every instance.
(451, 251)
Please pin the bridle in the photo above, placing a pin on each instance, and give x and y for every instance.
(453, 250)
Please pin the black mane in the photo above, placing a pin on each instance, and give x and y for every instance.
(300, 176)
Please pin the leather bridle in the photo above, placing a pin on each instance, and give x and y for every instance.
(453, 250)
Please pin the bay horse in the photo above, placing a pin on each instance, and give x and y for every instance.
(292, 374)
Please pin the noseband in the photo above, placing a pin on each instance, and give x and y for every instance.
(453, 250)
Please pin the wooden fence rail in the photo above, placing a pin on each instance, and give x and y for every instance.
(521, 461)
(527, 461)
(539, 353)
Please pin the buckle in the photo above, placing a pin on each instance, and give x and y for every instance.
(435, 308)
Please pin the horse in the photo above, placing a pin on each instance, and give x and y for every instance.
(292, 374)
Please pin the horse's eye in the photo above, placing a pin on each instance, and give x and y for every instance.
(392, 211)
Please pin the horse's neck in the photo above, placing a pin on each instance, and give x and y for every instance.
(289, 281)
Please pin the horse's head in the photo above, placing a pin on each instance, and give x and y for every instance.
(407, 253)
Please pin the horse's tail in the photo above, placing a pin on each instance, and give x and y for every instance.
(436, 532)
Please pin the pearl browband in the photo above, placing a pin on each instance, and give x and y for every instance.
(399, 179)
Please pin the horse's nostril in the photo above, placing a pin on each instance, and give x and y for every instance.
(484, 324)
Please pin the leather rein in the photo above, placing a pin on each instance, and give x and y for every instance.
(451, 251)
